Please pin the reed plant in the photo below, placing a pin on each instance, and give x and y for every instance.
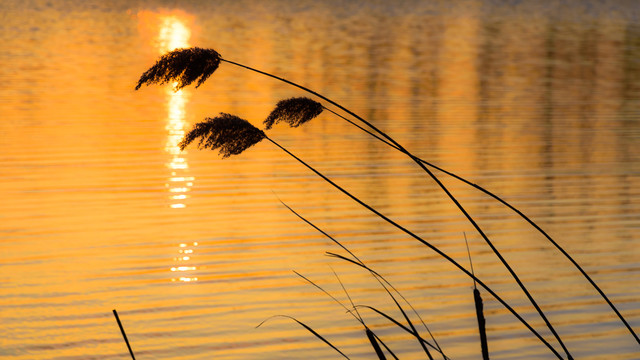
(231, 135)
(221, 133)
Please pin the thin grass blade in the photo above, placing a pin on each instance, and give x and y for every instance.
(375, 345)
(385, 346)
(401, 326)
(308, 329)
(404, 314)
(329, 295)
(376, 275)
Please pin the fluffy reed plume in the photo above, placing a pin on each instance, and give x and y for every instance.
(229, 133)
(294, 111)
(183, 66)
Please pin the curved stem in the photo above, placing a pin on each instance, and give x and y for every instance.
(408, 232)
(441, 185)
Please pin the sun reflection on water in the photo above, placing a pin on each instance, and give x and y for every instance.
(174, 34)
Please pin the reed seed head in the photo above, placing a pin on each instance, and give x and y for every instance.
(183, 66)
(294, 111)
(228, 133)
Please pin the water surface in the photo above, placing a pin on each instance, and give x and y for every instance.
(538, 103)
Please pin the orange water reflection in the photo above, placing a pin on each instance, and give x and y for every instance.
(542, 112)
(173, 33)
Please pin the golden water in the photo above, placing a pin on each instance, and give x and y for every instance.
(101, 211)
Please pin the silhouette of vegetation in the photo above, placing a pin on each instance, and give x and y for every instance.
(294, 111)
(228, 133)
(384, 283)
(236, 122)
(185, 66)
(354, 312)
(315, 333)
(477, 299)
(124, 335)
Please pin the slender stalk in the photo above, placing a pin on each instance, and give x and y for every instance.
(374, 343)
(124, 335)
(385, 346)
(441, 185)
(477, 299)
(447, 257)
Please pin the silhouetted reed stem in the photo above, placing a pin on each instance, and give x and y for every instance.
(477, 299)
(408, 232)
(441, 185)
(124, 335)
(374, 343)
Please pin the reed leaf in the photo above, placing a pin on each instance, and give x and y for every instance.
(294, 111)
(377, 276)
(385, 346)
(375, 345)
(355, 315)
(401, 326)
(228, 133)
(481, 324)
(360, 263)
(404, 314)
(184, 66)
(315, 333)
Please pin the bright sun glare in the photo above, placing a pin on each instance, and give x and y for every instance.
(174, 34)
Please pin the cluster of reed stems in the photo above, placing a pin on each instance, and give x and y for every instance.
(231, 135)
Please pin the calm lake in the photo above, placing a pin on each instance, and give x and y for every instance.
(538, 102)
